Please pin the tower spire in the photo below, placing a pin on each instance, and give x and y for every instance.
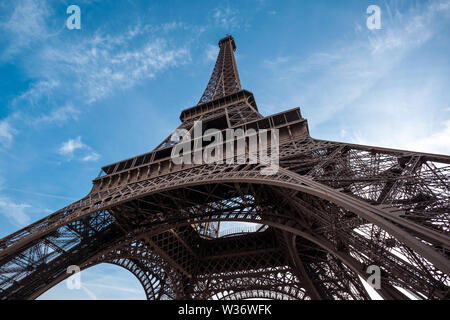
(225, 77)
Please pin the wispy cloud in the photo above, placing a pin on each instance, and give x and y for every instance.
(412, 134)
(228, 18)
(93, 156)
(78, 73)
(91, 294)
(112, 287)
(40, 194)
(25, 24)
(58, 115)
(7, 132)
(33, 95)
(101, 65)
(362, 82)
(211, 52)
(408, 30)
(69, 148)
(14, 212)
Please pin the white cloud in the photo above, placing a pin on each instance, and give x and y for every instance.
(437, 142)
(407, 137)
(39, 194)
(14, 212)
(8, 125)
(368, 91)
(226, 18)
(6, 133)
(406, 31)
(211, 52)
(87, 70)
(77, 73)
(68, 147)
(170, 26)
(116, 288)
(26, 24)
(93, 156)
(58, 115)
(91, 294)
(33, 95)
(350, 69)
(101, 65)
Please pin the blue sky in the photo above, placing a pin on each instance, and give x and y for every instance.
(72, 101)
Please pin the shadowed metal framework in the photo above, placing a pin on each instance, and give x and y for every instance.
(310, 231)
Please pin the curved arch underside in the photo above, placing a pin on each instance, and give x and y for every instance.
(325, 227)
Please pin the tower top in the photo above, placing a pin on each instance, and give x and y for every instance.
(225, 77)
(225, 40)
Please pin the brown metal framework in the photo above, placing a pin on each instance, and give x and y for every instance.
(332, 210)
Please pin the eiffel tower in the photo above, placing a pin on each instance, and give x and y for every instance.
(333, 215)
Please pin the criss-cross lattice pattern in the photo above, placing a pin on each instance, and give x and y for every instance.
(224, 78)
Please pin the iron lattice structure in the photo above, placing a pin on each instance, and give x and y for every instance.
(332, 210)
